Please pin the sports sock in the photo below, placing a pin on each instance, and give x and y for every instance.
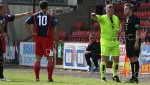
(115, 68)
(1, 70)
(136, 69)
(102, 69)
(37, 69)
(132, 68)
(50, 68)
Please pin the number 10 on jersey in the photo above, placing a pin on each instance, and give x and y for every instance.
(42, 20)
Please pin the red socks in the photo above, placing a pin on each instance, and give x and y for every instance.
(50, 68)
(37, 69)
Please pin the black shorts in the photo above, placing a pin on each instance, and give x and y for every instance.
(130, 51)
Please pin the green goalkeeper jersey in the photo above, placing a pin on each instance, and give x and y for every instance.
(109, 30)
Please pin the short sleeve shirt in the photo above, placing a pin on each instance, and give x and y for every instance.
(43, 21)
(132, 24)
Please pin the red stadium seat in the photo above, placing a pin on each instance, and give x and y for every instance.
(62, 36)
(95, 26)
(122, 24)
(144, 7)
(77, 27)
(148, 4)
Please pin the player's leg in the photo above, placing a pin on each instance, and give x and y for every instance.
(135, 69)
(4, 45)
(1, 61)
(1, 69)
(37, 66)
(88, 61)
(48, 52)
(39, 53)
(130, 55)
(95, 61)
(105, 52)
(136, 62)
(115, 52)
(50, 67)
(135, 65)
(2, 78)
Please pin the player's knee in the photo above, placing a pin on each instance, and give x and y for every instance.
(131, 59)
(116, 59)
(37, 64)
(104, 59)
(135, 59)
(50, 58)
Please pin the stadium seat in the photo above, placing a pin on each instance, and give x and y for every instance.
(62, 36)
(143, 35)
(122, 24)
(96, 26)
(78, 26)
(119, 7)
(144, 7)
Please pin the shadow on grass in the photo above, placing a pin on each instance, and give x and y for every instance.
(67, 83)
(23, 80)
(42, 81)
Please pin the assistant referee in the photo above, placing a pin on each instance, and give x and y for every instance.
(133, 40)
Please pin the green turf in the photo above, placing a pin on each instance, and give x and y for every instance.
(25, 78)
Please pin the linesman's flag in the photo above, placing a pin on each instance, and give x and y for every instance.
(126, 69)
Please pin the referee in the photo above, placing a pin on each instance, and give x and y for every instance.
(133, 40)
(110, 26)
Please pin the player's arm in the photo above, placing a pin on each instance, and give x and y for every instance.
(87, 51)
(16, 16)
(119, 24)
(95, 17)
(5, 32)
(137, 26)
(29, 21)
(56, 33)
(56, 27)
(28, 28)
(1, 28)
(119, 27)
(22, 14)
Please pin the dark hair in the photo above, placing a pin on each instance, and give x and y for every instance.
(129, 5)
(43, 4)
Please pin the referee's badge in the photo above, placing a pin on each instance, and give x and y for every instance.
(127, 23)
(126, 26)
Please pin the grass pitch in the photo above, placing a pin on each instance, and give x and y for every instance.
(27, 78)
